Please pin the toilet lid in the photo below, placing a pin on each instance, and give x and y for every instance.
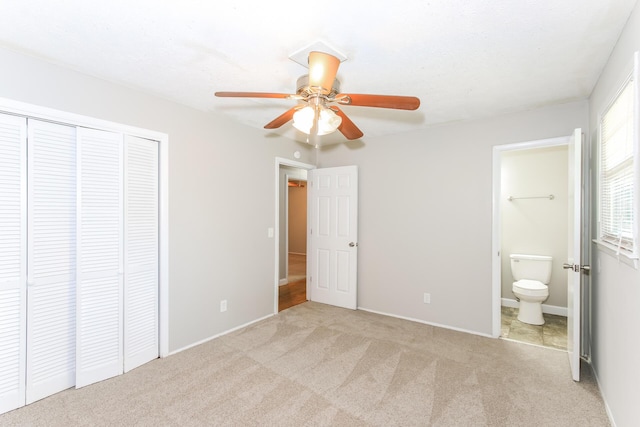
(532, 285)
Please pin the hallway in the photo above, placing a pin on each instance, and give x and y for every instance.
(295, 291)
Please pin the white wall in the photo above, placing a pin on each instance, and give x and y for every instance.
(219, 247)
(535, 226)
(615, 339)
(425, 213)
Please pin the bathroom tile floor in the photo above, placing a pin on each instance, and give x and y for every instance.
(552, 334)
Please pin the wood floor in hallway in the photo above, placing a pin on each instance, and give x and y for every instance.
(294, 292)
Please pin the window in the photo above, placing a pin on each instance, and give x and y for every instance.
(619, 170)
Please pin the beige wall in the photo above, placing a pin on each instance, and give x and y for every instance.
(425, 213)
(535, 226)
(615, 285)
(218, 242)
(425, 203)
(298, 219)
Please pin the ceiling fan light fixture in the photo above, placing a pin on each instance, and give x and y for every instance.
(318, 92)
(328, 121)
(322, 71)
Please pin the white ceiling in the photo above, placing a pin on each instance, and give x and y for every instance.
(464, 59)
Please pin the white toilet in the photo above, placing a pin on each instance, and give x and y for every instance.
(532, 273)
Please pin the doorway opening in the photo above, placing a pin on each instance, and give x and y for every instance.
(291, 233)
(531, 217)
(293, 288)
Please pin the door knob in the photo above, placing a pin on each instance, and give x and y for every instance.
(576, 267)
(352, 244)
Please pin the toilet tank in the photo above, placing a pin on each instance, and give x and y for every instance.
(532, 267)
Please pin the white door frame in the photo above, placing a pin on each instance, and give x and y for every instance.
(574, 254)
(281, 161)
(50, 114)
(285, 212)
(497, 218)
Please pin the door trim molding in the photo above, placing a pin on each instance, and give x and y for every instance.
(281, 161)
(496, 265)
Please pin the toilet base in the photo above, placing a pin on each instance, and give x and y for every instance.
(530, 312)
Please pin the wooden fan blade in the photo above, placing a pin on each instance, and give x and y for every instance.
(281, 119)
(347, 127)
(381, 101)
(253, 95)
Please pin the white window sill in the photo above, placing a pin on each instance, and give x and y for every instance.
(611, 250)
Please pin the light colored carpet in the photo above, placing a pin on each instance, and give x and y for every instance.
(315, 364)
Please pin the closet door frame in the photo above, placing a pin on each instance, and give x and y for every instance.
(48, 114)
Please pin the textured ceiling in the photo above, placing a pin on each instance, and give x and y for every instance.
(463, 58)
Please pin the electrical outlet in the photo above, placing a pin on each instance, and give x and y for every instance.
(223, 306)
(427, 298)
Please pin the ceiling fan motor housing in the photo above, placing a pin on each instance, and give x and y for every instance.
(304, 89)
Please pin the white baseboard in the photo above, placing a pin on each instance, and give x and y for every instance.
(219, 335)
(283, 281)
(549, 309)
(606, 404)
(427, 323)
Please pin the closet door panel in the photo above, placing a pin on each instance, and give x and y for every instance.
(100, 247)
(13, 269)
(141, 252)
(51, 258)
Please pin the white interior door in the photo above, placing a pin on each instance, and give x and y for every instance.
(51, 259)
(99, 247)
(141, 252)
(333, 236)
(573, 266)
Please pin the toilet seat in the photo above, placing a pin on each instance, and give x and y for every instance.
(532, 288)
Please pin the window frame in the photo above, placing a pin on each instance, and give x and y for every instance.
(631, 254)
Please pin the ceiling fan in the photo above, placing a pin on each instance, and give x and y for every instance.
(319, 97)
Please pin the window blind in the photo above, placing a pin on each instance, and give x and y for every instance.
(617, 196)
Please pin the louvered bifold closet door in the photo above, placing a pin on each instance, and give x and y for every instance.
(51, 265)
(141, 252)
(99, 248)
(13, 255)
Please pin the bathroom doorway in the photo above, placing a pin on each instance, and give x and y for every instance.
(534, 210)
(531, 203)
